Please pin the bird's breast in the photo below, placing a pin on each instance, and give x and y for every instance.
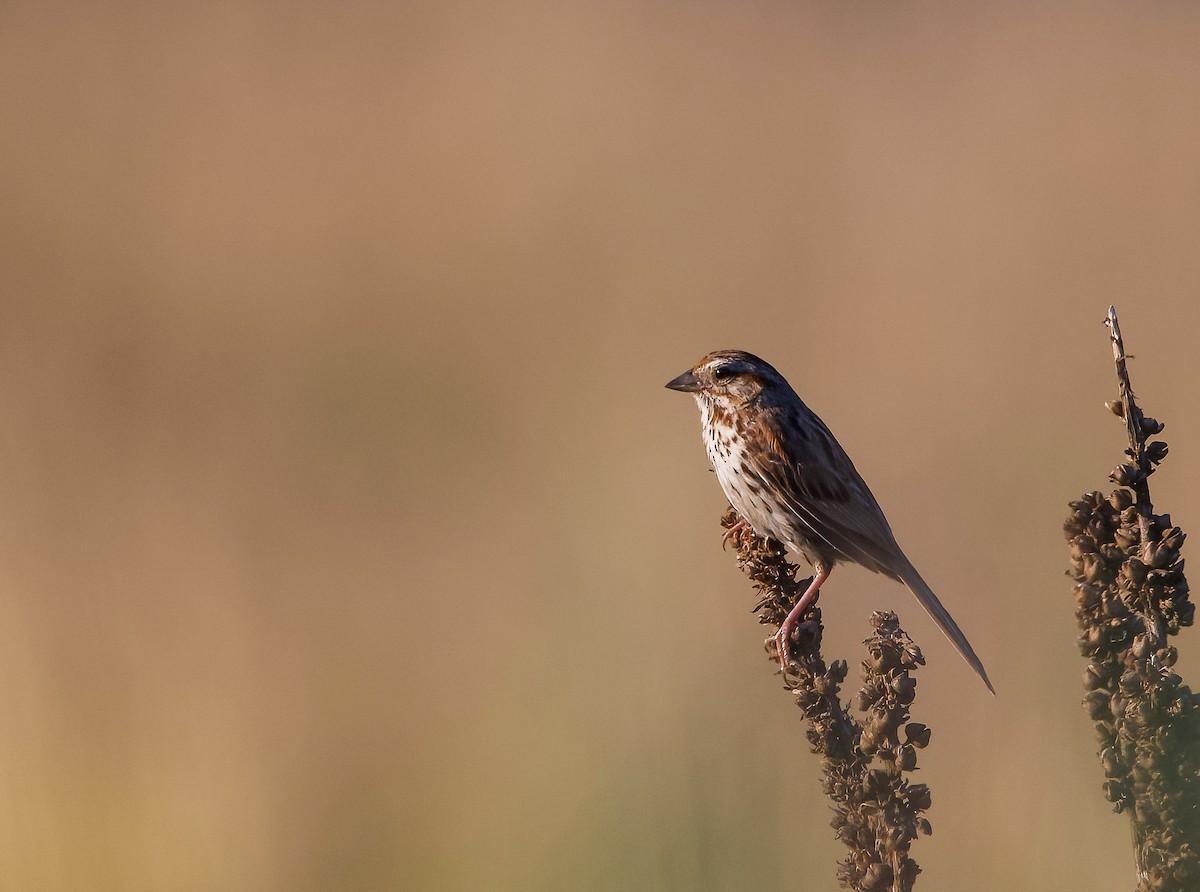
(727, 444)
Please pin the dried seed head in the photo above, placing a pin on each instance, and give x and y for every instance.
(865, 759)
(1141, 648)
(1110, 762)
(920, 797)
(1151, 426)
(1121, 499)
(1130, 595)
(1088, 596)
(877, 877)
(1127, 538)
(1127, 475)
(905, 688)
(1096, 703)
(1186, 611)
(1135, 570)
(917, 734)
(1114, 791)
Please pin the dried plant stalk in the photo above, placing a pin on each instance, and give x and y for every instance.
(877, 811)
(1130, 596)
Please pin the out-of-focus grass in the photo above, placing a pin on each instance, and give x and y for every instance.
(347, 537)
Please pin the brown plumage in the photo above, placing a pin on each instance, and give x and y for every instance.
(790, 479)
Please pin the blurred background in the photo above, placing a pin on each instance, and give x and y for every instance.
(348, 538)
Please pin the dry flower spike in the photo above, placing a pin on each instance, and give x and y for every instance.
(877, 811)
(1131, 595)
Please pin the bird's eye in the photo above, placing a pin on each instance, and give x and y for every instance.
(722, 373)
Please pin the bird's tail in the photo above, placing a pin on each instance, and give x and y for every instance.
(910, 577)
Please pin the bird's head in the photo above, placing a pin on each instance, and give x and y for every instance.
(729, 378)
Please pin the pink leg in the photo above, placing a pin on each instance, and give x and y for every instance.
(783, 638)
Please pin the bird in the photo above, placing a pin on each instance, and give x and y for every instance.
(790, 480)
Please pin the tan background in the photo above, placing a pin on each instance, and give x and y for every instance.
(348, 539)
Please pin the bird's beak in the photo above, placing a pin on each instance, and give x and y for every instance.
(687, 382)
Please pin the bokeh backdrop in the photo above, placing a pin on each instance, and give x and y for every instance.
(348, 538)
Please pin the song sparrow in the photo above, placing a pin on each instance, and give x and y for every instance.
(790, 480)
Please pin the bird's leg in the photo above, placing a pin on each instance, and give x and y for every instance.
(783, 638)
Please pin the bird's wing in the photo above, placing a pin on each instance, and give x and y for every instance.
(813, 476)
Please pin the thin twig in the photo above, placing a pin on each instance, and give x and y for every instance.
(1138, 478)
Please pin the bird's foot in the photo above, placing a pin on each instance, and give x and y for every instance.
(732, 534)
(779, 645)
